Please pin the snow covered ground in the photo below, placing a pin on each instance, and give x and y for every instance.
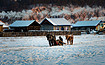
(35, 50)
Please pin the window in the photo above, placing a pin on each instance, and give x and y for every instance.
(57, 28)
(67, 28)
(62, 28)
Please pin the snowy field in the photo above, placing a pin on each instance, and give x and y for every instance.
(35, 50)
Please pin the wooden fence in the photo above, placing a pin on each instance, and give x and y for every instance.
(37, 33)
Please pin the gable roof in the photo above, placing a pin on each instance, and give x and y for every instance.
(22, 23)
(86, 23)
(2, 23)
(57, 21)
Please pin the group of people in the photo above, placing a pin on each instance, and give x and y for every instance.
(52, 40)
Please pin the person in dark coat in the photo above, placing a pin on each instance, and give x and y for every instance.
(52, 39)
(61, 40)
(49, 38)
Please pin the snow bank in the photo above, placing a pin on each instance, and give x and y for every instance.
(87, 49)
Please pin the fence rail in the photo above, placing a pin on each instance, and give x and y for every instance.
(38, 33)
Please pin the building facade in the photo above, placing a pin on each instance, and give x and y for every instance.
(25, 25)
(86, 25)
(55, 24)
(1, 28)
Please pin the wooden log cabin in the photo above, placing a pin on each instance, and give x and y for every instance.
(25, 25)
(101, 26)
(3, 26)
(87, 25)
(55, 24)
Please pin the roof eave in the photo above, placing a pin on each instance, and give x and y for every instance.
(18, 26)
(62, 25)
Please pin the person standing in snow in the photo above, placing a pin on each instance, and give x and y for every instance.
(52, 39)
(61, 40)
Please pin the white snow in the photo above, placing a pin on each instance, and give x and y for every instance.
(4, 24)
(78, 10)
(61, 12)
(14, 14)
(35, 50)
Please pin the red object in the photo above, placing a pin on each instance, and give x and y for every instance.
(56, 42)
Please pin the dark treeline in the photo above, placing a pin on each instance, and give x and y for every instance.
(17, 5)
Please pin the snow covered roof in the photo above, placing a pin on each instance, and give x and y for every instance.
(57, 21)
(86, 23)
(4, 25)
(1, 23)
(22, 23)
